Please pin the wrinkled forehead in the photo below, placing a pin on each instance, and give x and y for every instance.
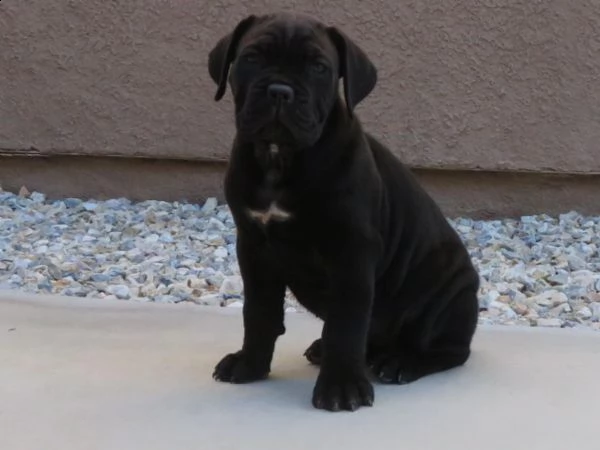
(290, 33)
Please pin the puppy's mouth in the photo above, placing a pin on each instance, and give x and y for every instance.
(286, 124)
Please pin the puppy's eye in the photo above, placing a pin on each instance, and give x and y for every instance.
(319, 68)
(250, 58)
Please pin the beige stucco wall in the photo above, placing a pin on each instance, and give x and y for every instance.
(475, 84)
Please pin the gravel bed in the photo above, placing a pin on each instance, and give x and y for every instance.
(535, 271)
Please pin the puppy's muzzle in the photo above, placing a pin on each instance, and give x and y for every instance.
(280, 94)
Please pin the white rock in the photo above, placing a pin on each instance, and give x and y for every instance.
(550, 298)
(152, 238)
(209, 205)
(166, 299)
(584, 313)
(560, 309)
(504, 309)
(90, 206)
(232, 285)
(487, 299)
(209, 299)
(216, 224)
(549, 323)
(221, 252)
(236, 304)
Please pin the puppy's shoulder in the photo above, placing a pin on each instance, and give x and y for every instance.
(385, 159)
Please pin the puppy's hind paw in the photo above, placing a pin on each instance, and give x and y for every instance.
(236, 368)
(393, 370)
(314, 353)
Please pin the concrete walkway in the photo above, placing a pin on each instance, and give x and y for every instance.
(86, 375)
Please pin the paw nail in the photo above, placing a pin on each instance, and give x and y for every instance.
(353, 406)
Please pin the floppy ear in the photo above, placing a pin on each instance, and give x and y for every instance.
(359, 73)
(221, 56)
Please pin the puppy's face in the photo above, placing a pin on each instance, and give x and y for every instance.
(284, 72)
(284, 81)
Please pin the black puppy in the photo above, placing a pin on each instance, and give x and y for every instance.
(323, 208)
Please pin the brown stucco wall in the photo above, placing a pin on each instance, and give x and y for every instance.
(473, 84)
(471, 87)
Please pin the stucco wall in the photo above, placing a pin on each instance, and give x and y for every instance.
(475, 84)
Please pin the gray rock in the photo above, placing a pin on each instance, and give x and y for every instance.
(166, 299)
(22, 263)
(562, 278)
(595, 307)
(72, 202)
(44, 286)
(100, 277)
(121, 291)
(574, 292)
(576, 263)
(54, 271)
(77, 291)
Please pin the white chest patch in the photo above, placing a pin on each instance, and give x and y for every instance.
(274, 213)
(274, 149)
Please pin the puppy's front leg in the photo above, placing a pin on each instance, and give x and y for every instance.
(342, 381)
(264, 292)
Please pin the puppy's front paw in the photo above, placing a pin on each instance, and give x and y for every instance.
(237, 368)
(337, 391)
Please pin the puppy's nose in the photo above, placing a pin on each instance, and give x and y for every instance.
(280, 93)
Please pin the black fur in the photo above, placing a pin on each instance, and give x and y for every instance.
(365, 248)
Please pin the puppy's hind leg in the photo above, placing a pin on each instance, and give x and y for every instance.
(448, 346)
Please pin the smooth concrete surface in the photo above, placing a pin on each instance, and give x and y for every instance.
(464, 84)
(90, 374)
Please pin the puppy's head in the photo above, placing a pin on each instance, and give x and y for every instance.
(284, 71)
